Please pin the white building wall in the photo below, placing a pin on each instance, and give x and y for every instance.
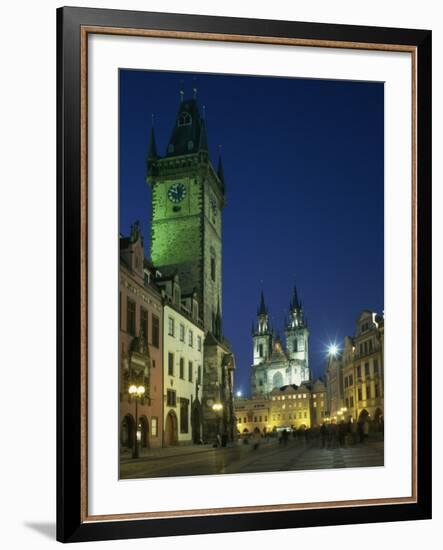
(183, 387)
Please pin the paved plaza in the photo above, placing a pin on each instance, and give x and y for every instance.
(271, 456)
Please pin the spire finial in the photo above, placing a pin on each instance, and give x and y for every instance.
(194, 89)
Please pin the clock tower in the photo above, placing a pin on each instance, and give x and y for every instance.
(188, 195)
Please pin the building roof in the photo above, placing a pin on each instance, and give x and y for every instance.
(189, 133)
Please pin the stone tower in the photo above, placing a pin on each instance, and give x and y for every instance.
(297, 333)
(188, 195)
(261, 334)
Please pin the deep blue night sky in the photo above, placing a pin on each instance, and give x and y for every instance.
(303, 163)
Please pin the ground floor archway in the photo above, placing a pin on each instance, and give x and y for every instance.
(363, 416)
(171, 429)
(127, 432)
(378, 415)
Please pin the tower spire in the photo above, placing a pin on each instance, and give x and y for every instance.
(203, 139)
(262, 310)
(295, 304)
(152, 151)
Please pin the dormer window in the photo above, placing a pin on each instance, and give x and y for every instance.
(184, 119)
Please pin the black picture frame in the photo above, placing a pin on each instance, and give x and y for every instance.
(71, 524)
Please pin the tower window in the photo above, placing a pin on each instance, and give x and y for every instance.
(130, 317)
(155, 331)
(295, 345)
(213, 269)
(170, 364)
(260, 350)
(184, 415)
(184, 119)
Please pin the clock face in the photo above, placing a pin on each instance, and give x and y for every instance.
(177, 192)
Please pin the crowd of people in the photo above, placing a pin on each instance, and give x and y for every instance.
(328, 435)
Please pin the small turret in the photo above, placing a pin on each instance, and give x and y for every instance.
(221, 172)
(152, 152)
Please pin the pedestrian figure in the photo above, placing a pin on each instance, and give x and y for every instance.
(332, 440)
(341, 433)
(360, 432)
(354, 427)
(365, 429)
(323, 435)
(257, 438)
(284, 436)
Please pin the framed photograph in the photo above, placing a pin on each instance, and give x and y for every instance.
(244, 274)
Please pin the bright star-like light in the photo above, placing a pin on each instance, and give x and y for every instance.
(239, 394)
(333, 349)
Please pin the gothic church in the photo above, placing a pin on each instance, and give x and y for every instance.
(273, 365)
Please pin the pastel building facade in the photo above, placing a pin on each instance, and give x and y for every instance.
(140, 347)
(182, 365)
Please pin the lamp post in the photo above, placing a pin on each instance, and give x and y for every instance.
(217, 408)
(137, 392)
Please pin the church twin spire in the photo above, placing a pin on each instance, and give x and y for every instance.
(294, 320)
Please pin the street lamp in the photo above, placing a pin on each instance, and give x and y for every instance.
(239, 394)
(137, 392)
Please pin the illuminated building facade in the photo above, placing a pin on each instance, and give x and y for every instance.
(289, 407)
(355, 376)
(274, 365)
(140, 342)
(183, 337)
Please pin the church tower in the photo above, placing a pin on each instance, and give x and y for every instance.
(297, 335)
(261, 334)
(188, 195)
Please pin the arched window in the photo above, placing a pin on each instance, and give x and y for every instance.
(213, 268)
(295, 345)
(184, 119)
(277, 380)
